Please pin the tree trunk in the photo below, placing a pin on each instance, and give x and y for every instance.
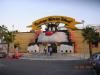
(8, 50)
(90, 48)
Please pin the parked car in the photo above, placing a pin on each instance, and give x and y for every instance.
(95, 61)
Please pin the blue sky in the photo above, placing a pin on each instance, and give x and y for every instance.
(21, 13)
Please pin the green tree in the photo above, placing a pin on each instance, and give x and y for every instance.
(90, 36)
(3, 30)
(8, 38)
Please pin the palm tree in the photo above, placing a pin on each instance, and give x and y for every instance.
(90, 36)
(3, 29)
(8, 38)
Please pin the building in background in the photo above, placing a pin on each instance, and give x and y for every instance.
(97, 28)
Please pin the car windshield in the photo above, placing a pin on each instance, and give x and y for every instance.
(94, 56)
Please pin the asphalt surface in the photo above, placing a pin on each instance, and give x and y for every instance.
(45, 67)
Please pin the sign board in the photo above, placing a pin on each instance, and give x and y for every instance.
(69, 22)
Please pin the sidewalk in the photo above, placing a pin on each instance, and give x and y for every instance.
(54, 56)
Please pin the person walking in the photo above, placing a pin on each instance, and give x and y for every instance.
(50, 50)
(45, 50)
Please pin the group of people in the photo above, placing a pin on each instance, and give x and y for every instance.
(48, 50)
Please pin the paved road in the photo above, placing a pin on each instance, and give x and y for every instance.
(45, 67)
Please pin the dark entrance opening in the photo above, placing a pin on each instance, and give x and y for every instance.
(54, 48)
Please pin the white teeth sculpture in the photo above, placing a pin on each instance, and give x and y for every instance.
(56, 37)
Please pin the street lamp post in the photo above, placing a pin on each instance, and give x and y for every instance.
(13, 37)
(84, 42)
(83, 23)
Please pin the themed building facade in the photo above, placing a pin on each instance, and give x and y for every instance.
(65, 39)
(24, 38)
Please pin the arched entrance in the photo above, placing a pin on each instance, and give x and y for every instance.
(54, 47)
(53, 34)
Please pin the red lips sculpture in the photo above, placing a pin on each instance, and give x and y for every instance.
(49, 33)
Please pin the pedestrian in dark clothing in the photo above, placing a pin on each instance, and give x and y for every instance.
(50, 51)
